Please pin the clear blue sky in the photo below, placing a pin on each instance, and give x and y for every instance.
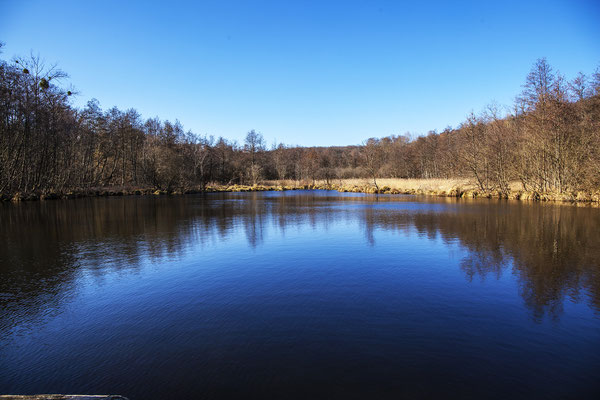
(303, 72)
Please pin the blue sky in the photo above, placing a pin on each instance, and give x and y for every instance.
(303, 72)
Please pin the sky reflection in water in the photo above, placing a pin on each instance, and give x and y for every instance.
(299, 294)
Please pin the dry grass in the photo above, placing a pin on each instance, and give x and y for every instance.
(456, 187)
(403, 185)
(437, 185)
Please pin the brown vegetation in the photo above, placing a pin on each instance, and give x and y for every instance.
(548, 147)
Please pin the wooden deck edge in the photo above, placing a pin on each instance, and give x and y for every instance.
(61, 397)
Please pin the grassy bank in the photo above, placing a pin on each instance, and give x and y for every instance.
(460, 188)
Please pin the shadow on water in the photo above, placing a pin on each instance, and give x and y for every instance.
(299, 295)
(554, 250)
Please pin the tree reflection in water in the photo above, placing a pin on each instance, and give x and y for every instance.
(554, 250)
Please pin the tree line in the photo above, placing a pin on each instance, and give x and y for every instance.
(549, 141)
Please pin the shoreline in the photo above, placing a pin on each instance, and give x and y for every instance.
(450, 190)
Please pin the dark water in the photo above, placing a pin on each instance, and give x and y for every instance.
(300, 295)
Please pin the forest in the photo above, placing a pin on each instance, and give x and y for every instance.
(547, 142)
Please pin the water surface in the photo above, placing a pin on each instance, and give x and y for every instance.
(300, 295)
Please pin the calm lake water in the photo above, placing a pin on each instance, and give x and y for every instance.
(300, 295)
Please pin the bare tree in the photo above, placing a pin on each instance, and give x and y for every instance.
(374, 158)
(254, 147)
(550, 142)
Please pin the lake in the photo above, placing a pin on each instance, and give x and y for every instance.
(300, 294)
